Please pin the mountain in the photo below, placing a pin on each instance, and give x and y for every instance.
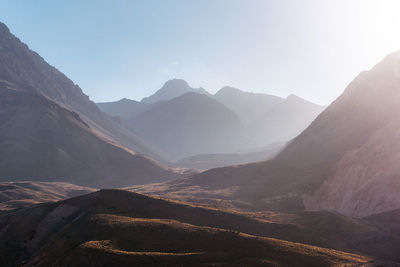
(171, 89)
(266, 119)
(190, 124)
(16, 195)
(283, 121)
(364, 180)
(345, 161)
(120, 228)
(209, 161)
(51, 131)
(248, 106)
(42, 141)
(20, 65)
(124, 108)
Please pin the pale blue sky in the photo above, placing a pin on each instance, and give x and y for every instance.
(121, 48)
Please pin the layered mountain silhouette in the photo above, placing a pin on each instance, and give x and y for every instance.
(265, 120)
(269, 118)
(51, 131)
(345, 161)
(190, 124)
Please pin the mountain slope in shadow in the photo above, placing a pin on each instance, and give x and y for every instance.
(20, 65)
(40, 140)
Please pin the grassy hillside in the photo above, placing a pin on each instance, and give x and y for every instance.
(114, 228)
(14, 195)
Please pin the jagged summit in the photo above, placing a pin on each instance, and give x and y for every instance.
(171, 89)
(4, 28)
(176, 83)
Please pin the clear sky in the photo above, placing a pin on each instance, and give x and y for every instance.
(126, 48)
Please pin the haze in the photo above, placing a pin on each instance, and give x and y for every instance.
(130, 48)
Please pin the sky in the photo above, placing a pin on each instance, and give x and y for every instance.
(127, 48)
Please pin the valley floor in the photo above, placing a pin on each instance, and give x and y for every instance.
(119, 228)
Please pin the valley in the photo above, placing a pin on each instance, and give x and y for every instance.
(226, 165)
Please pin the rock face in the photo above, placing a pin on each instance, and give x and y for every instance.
(51, 131)
(171, 89)
(190, 124)
(366, 178)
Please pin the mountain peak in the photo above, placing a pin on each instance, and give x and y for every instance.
(125, 100)
(171, 89)
(293, 97)
(4, 28)
(228, 89)
(176, 83)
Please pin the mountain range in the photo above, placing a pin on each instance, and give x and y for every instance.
(187, 127)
